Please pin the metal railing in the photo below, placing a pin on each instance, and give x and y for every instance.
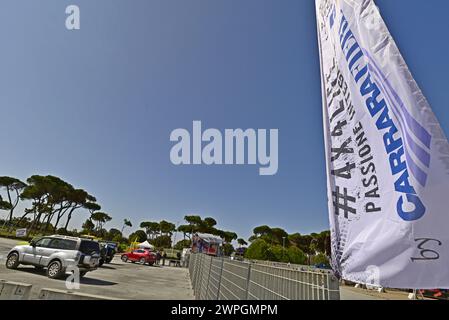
(225, 279)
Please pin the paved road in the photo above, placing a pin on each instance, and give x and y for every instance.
(116, 280)
(134, 281)
(347, 293)
(351, 293)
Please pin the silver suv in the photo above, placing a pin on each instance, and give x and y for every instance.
(58, 254)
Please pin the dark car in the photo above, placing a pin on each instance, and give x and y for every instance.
(324, 266)
(143, 256)
(107, 252)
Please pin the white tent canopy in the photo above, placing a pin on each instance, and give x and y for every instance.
(145, 245)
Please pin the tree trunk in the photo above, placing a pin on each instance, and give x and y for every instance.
(43, 226)
(49, 218)
(68, 220)
(55, 227)
(36, 221)
(70, 215)
(59, 216)
(11, 211)
(22, 218)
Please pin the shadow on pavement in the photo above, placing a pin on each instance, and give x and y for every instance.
(33, 271)
(96, 282)
(86, 280)
(107, 267)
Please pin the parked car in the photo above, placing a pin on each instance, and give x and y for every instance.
(107, 252)
(323, 266)
(58, 254)
(236, 256)
(142, 256)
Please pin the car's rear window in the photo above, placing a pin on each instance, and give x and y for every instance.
(89, 247)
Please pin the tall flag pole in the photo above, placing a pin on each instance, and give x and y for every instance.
(387, 156)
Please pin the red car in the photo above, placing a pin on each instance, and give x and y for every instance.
(142, 256)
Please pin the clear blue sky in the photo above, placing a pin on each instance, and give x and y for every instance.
(96, 106)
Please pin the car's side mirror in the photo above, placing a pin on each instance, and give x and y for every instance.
(33, 244)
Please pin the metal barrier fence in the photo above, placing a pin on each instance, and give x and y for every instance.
(225, 279)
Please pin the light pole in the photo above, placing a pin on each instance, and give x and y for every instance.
(176, 233)
(283, 247)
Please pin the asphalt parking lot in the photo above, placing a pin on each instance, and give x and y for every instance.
(116, 280)
(121, 280)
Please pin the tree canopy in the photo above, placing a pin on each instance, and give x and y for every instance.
(51, 198)
(100, 218)
(275, 244)
(13, 188)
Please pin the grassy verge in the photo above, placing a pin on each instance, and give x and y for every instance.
(12, 235)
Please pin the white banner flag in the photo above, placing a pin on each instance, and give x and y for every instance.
(387, 156)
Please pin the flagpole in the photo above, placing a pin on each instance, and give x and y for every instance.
(325, 117)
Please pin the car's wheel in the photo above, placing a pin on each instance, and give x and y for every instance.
(124, 258)
(142, 261)
(101, 262)
(13, 261)
(55, 270)
(151, 264)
